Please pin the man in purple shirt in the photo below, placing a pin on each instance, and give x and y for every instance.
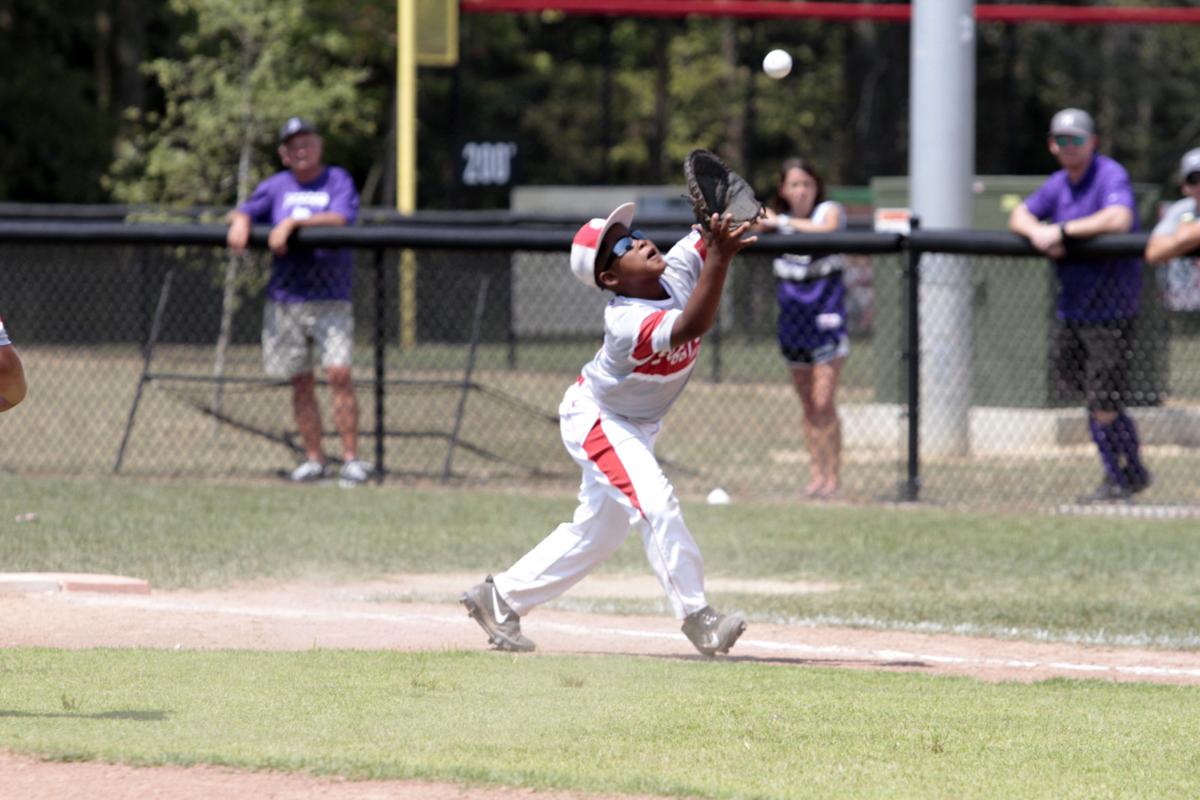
(308, 310)
(1097, 298)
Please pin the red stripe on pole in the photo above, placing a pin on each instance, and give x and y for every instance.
(845, 12)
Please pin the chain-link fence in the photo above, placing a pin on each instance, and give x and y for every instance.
(144, 357)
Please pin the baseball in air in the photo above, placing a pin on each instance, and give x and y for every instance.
(777, 64)
(718, 497)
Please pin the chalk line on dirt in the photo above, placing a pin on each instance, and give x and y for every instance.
(586, 631)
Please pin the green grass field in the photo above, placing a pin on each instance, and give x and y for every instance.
(694, 729)
(721, 729)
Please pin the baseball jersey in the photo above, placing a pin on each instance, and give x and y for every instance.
(322, 273)
(636, 373)
(1091, 290)
(3, 334)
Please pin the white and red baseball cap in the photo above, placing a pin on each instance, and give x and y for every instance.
(587, 241)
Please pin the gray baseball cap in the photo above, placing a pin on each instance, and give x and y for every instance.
(1073, 120)
(293, 126)
(1190, 162)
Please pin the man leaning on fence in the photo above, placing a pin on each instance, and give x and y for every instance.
(1178, 232)
(1097, 298)
(308, 311)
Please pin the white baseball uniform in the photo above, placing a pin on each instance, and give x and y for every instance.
(609, 420)
(4, 340)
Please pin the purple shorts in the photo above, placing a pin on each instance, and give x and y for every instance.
(812, 319)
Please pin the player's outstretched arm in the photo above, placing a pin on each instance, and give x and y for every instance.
(723, 240)
(12, 378)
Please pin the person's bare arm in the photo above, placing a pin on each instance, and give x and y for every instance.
(238, 235)
(829, 222)
(1110, 219)
(12, 378)
(1165, 246)
(722, 242)
(1046, 238)
(277, 239)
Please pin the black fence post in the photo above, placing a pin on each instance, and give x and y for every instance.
(379, 336)
(911, 489)
(476, 331)
(147, 356)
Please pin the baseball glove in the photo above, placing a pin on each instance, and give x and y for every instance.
(714, 188)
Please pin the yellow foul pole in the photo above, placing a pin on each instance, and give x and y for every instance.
(406, 158)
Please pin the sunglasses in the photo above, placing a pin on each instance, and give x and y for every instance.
(623, 245)
(1192, 178)
(1063, 140)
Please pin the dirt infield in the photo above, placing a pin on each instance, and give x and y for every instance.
(418, 612)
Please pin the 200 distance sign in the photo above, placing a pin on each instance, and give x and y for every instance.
(487, 163)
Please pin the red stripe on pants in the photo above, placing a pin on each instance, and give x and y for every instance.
(601, 452)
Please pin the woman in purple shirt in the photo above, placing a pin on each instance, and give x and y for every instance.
(1097, 299)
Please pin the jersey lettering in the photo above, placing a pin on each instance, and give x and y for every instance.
(310, 200)
(676, 360)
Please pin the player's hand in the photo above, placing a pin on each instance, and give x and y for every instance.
(726, 237)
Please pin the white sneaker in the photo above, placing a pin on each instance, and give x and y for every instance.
(310, 471)
(354, 472)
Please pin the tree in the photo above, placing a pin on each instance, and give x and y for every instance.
(245, 66)
(54, 129)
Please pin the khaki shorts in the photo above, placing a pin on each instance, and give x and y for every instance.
(294, 332)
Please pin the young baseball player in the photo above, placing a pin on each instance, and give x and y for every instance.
(609, 420)
(12, 373)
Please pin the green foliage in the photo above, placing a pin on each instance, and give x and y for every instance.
(54, 130)
(590, 100)
(246, 66)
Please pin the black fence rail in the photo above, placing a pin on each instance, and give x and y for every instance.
(142, 347)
